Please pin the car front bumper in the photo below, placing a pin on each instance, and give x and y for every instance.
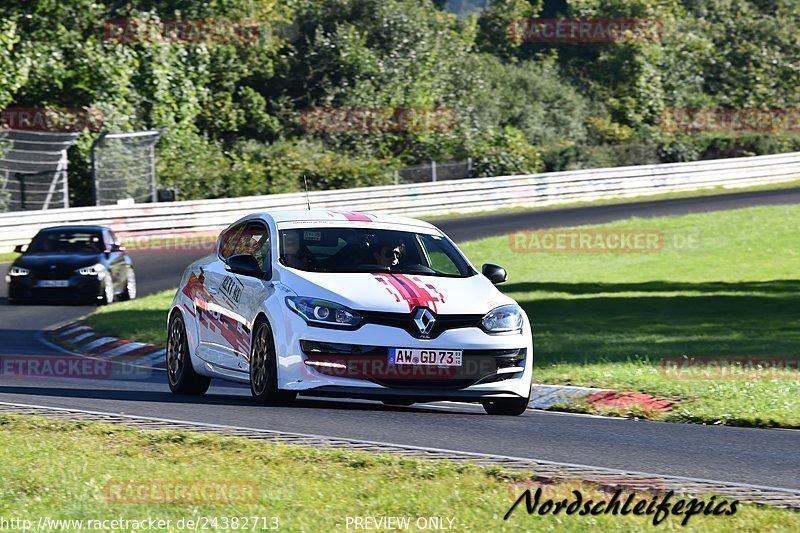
(333, 362)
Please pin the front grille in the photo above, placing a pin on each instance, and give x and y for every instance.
(405, 321)
(372, 363)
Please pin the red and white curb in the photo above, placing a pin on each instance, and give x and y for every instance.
(547, 396)
(80, 338)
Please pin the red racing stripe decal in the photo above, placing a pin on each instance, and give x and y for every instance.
(356, 217)
(415, 295)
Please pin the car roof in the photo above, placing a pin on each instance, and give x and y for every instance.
(327, 216)
(74, 228)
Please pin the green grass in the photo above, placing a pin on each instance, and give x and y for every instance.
(60, 470)
(725, 284)
(142, 320)
(607, 319)
(8, 257)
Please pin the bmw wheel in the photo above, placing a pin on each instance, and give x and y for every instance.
(108, 291)
(180, 373)
(129, 293)
(264, 368)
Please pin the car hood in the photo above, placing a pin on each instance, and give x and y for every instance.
(35, 261)
(399, 293)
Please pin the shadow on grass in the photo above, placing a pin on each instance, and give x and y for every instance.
(753, 318)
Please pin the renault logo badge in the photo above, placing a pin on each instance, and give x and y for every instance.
(424, 320)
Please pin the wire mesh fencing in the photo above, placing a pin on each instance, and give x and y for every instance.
(124, 167)
(33, 169)
(434, 171)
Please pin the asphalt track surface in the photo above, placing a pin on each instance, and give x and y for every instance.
(741, 455)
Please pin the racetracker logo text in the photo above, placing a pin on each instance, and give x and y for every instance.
(181, 31)
(181, 492)
(51, 119)
(600, 30)
(739, 368)
(586, 241)
(386, 120)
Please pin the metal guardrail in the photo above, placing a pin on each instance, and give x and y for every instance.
(469, 195)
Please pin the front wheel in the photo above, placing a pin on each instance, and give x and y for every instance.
(506, 406)
(129, 293)
(108, 291)
(264, 368)
(180, 373)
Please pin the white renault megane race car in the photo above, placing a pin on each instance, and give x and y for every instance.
(348, 305)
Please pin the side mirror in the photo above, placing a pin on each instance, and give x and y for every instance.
(244, 264)
(20, 248)
(116, 247)
(495, 273)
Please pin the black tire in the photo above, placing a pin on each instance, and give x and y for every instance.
(264, 368)
(403, 403)
(129, 292)
(506, 406)
(181, 375)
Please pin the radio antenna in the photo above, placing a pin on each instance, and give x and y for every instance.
(308, 202)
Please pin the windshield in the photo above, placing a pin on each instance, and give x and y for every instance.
(371, 250)
(66, 241)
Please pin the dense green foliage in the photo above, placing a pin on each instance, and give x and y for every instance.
(233, 110)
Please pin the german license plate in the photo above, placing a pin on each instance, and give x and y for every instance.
(54, 283)
(409, 356)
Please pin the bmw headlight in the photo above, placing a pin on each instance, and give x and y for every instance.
(95, 270)
(16, 271)
(503, 319)
(322, 312)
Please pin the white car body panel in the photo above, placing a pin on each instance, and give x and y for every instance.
(220, 309)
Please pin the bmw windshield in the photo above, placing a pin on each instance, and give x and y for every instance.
(327, 249)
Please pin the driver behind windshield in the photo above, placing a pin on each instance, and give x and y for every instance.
(295, 255)
(388, 253)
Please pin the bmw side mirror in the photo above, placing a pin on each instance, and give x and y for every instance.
(244, 264)
(20, 248)
(116, 247)
(495, 273)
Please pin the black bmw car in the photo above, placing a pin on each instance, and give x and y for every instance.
(72, 263)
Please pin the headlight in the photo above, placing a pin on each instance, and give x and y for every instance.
(18, 271)
(323, 312)
(95, 270)
(503, 319)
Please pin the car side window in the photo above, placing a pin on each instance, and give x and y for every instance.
(255, 241)
(229, 240)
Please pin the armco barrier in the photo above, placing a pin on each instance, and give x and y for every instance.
(469, 195)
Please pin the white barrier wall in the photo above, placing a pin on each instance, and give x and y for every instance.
(457, 196)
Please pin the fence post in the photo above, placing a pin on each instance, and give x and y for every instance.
(433, 170)
(95, 198)
(469, 167)
(22, 198)
(396, 177)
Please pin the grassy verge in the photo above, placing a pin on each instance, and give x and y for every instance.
(63, 470)
(8, 257)
(724, 284)
(142, 320)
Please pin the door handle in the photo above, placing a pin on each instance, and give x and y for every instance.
(213, 290)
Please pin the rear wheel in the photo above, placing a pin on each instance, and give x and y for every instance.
(506, 406)
(180, 373)
(264, 368)
(129, 293)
